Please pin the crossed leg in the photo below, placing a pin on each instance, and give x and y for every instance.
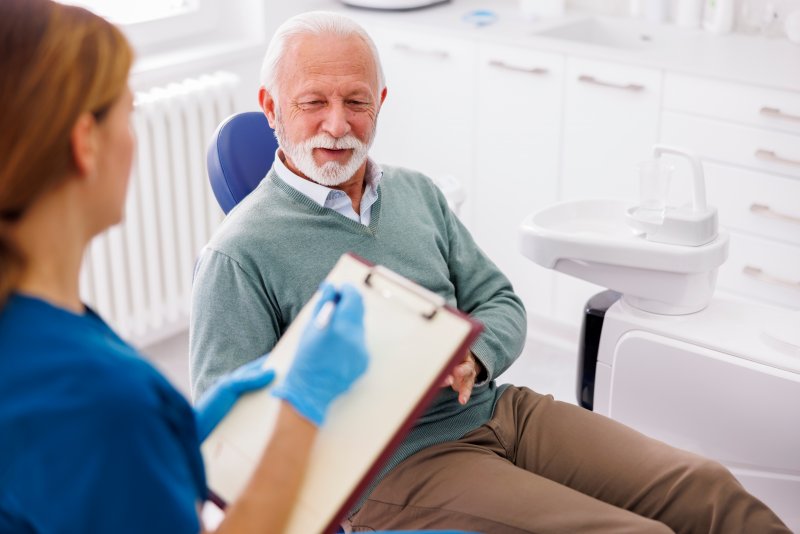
(545, 466)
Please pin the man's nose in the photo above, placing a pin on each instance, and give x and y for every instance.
(335, 122)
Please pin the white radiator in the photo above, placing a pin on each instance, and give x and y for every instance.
(138, 274)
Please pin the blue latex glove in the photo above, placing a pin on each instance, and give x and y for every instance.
(218, 400)
(329, 358)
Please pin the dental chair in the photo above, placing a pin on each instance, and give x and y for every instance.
(239, 155)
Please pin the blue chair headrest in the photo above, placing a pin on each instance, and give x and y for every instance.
(239, 155)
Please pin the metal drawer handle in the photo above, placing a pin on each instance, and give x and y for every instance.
(635, 87)
(770, 155)
(758, 274)
(766, 211)
(443, 54)
(778, 114)
(503, 65)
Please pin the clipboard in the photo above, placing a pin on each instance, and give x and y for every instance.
(414, 340)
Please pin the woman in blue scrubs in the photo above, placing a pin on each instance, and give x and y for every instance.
(92, 438)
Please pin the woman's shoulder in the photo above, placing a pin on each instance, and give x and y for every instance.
(76, 360)
(82, 394)
(100, 421)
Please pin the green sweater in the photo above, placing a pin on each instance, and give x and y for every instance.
(272, 251)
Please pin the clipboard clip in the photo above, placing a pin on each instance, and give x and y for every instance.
(410, 294)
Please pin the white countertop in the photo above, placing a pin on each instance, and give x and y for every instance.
(772, 63)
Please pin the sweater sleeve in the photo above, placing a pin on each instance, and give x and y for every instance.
(232, 321)
(484, 292)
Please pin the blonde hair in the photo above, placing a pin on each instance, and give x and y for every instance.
(313, 23)
(58, 62)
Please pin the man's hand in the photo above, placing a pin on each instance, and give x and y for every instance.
(463, 378)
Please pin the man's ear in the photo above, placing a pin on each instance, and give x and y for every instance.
(84, 144)
(383, 95)
(267, 105)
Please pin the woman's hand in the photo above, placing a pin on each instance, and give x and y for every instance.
(220, 398)
(330, 356)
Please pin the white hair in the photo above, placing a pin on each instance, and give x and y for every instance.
(312, 23)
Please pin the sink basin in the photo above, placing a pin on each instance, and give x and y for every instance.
(610, 32)
(591, 240)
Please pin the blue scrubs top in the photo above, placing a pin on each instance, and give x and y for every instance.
(92, 438)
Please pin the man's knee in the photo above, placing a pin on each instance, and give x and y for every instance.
(709, 475)
(706, 488)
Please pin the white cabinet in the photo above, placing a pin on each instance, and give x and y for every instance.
(427, 120)
(521, 129)
(610, 122)
(516, 159)
(748, 138)
(611, 116)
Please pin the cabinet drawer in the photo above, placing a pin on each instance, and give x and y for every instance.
(745, 104)
(731, 143)
(508, 60)
(755, 202)
(762, 269)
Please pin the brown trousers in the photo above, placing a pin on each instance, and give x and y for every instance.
(540, 465)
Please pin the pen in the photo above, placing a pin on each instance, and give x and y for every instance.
(324, 316)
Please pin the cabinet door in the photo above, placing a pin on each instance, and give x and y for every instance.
(516, 168)
(611, 114)
(426, 122)
(610, 123)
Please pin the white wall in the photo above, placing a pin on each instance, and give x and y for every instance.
(235, 43)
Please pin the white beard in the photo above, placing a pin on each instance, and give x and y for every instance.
(331, 173)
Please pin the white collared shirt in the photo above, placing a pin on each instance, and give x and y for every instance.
(334, 199)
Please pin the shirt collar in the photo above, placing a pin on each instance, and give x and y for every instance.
(316, 192)
(320, 193)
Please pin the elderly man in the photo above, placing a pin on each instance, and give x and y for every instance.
(483, 457)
